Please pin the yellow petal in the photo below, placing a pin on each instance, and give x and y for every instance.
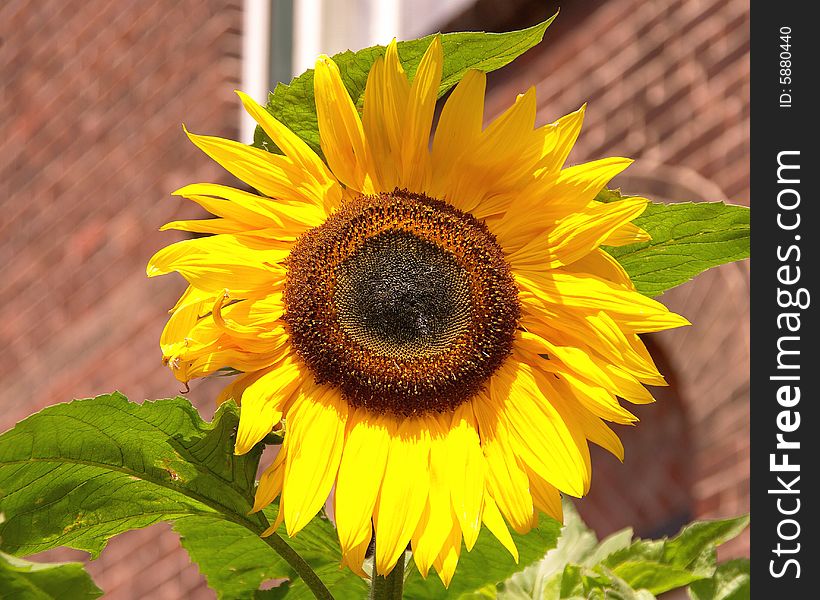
(250, 319)
(466, 472)
(315, 425)
(626, 234)
(354, 557)
(593, 427)
(628, 353)
(240, 263)
(512, 135)
(423, 558)
(590, 346)
(597, 399)
(415, 157)
(575, 236)
(492, 518)
(298, 151)
(506, 478)
(601, 264)
(459, 125)
(436, 520)
(206, 226)
(560, 140)
(257, 212)
(191, 294)
(233, 391)
(199, 358)
(360, 475)
(403, 494)
(270, 484)
(551, 397)
(550, 198)
(193, 306)
(384, 115)
(541, 435)
(272, 174)
(447, 559)
(602, 435)
(587, 365)
(545, 496)
(634, 312)
(340, 129)
(504, 153)
(263, 402)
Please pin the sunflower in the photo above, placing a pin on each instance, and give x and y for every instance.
(435, 326)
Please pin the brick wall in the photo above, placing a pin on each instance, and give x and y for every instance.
(93, 96)
(667, 83)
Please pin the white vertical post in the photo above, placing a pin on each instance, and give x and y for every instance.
(255, 59)
(385, 20)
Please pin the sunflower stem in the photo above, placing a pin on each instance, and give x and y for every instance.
(391, 586)
(299, 565)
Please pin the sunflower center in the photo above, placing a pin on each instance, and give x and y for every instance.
(402, 296)
(403, 302)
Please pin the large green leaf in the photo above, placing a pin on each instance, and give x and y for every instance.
(687, 239)
(44, 581)
(686, 548)
(76, 474)
(235, 560)
(79, 473)
(486, 564)
(293, 104)
(662, 565)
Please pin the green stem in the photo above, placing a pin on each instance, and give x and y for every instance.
(299, 565)
(390, 587)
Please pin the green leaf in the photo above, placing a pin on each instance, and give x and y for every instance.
(342, 583)
(236, 561)
(616, 588)
(318, 544)
(295, 107)
(77, 474)
(577, 545)
(663, 565)
(572, 583)
(686, 548)
(612, 543)
(687, 239)
(619, 567)
(44, 581)
(655, 576)
(731, 581)
(639, 550)
(488, 563)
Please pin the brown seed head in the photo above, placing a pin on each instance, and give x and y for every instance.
(402, 301)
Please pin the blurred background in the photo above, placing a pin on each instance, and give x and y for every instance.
(93, 97)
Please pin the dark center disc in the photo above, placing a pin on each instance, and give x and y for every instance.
(403, 302)
(401, 296)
